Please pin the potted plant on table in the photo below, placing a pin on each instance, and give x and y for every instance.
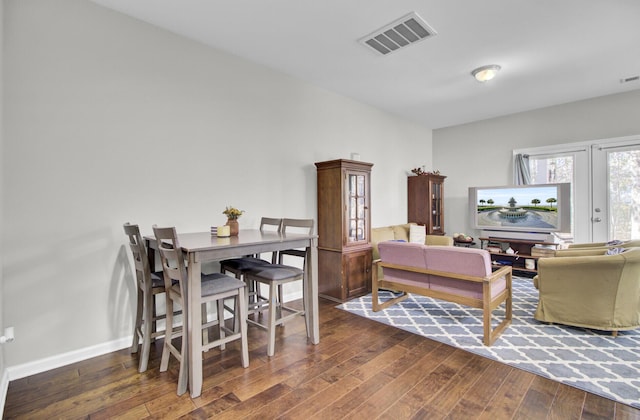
(233, 214)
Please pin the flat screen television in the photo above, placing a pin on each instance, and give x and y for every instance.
(521, 208)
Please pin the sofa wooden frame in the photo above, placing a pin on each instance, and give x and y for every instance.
(486, 303)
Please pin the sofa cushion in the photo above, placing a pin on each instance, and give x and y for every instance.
(439, 240)
(378, 235)
(404, 253)
(465, 288)
(468, 261)
(401, 231)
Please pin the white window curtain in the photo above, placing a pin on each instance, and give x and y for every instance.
(521, 173)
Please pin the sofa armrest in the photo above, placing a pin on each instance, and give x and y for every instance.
(581, 252)
(588, 245)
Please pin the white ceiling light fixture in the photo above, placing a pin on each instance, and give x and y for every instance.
(486, 73)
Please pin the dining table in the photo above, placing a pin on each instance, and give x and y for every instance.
(202, 247)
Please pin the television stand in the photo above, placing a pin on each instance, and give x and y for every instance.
(521, 259)
(537, 237)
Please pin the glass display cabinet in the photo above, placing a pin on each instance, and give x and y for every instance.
(425, 194)
(344, 228)
(356, 207)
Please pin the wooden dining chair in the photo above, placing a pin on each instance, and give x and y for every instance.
(215, 288)
(275, 276)
(239, 266)
(149, 285)
(295, 225)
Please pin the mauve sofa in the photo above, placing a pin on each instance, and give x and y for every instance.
(401, 233)
(460, 275)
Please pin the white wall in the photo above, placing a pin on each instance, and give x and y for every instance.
(3, 375)
(480, 153)
(107, 117)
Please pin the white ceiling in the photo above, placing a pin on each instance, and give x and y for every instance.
(551, 51)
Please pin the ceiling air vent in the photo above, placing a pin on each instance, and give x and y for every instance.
(399, 34)
(630, 79)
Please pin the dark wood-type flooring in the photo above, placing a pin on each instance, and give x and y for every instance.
(361, 369)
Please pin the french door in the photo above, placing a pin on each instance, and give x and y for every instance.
(605, 185)
(616, 191)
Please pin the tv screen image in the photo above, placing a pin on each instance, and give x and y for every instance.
(528, 208)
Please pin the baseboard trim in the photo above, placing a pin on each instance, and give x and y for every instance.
(288, 297)
(53, 362)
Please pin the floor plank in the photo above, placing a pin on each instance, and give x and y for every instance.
(509, 395)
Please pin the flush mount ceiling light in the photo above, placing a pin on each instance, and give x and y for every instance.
(486, 73)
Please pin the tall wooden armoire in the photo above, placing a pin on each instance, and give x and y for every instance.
(425, 195)
(344, 229)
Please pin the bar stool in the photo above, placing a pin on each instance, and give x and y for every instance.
(215, 288)
(149, 285)
(304, 225)
(275, 276)
(239, 266)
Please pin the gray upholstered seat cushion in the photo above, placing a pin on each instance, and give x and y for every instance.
(243, 264)
(217, 283)
(276, 272)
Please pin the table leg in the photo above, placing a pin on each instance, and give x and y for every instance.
(194, 325)
(311, 293)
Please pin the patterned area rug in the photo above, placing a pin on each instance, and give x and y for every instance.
(590, 360)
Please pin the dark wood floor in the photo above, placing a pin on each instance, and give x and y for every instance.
(360, 369)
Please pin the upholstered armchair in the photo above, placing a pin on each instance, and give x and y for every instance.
(591, 291)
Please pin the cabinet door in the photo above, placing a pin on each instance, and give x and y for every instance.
(357, 267)
(437, 223)
(356, 207)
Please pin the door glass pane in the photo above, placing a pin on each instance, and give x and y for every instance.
(361, 208)
(551, 170)
(357, 208)
(352, 230)
(624, 194)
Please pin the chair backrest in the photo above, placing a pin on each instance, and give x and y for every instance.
(139, 251)
(298, 225)
(171, 257)
(270, 222)
(295, 225)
